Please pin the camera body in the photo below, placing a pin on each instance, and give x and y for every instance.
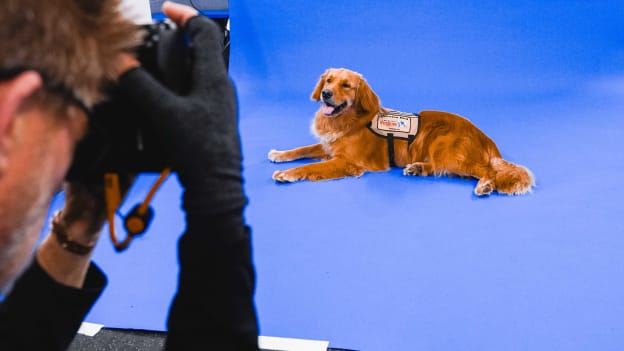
(117, 141)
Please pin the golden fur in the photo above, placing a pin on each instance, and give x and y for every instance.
(445, 144)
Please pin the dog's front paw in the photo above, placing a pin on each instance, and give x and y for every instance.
(276, 156)
(284, 177)
(484, 187)
(415, 169)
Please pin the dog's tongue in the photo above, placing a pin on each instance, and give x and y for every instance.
(327, 109)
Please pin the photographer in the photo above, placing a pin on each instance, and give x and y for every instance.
(50, 75)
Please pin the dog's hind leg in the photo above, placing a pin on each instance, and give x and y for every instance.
(486, 175)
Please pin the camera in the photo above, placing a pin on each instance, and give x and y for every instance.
(116, 141)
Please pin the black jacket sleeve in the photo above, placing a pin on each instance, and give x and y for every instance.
(41, 314)
(214, 301)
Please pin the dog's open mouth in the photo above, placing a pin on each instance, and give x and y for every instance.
(329, 109)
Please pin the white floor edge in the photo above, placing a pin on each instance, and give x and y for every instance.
(264, 342)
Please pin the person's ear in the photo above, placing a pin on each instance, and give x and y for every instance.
(13, 93)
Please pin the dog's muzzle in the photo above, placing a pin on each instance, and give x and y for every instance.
(329, 107)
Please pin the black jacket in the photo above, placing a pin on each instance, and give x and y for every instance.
(41, 314)
(214, 300)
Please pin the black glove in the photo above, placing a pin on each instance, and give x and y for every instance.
(198, 131)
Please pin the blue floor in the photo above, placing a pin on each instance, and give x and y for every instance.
(386, 262)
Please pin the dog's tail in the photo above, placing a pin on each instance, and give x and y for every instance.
(510, 178)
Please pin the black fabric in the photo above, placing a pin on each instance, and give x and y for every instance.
(41, 314)
(214, 301)
(199, 132)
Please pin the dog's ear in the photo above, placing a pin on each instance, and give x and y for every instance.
(316, 93)
(366, 99)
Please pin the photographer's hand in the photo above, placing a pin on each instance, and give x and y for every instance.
(180, 14)
(125, 62)
(199, 131)
(80, 222)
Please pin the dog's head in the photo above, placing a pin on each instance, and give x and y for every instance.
(340, 90)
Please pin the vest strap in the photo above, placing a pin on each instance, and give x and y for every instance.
(395, 124)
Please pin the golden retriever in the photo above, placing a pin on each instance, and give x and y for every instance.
(444, 144)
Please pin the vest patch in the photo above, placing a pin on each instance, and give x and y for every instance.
(400, 125)
(395, 124)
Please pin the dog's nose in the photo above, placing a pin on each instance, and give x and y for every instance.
(327, 94)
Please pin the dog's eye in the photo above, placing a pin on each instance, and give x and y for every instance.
(346, 85)
(329, 80)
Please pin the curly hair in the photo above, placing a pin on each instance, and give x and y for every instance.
(73, 43)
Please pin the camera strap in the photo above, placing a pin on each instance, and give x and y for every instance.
(138, 219)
